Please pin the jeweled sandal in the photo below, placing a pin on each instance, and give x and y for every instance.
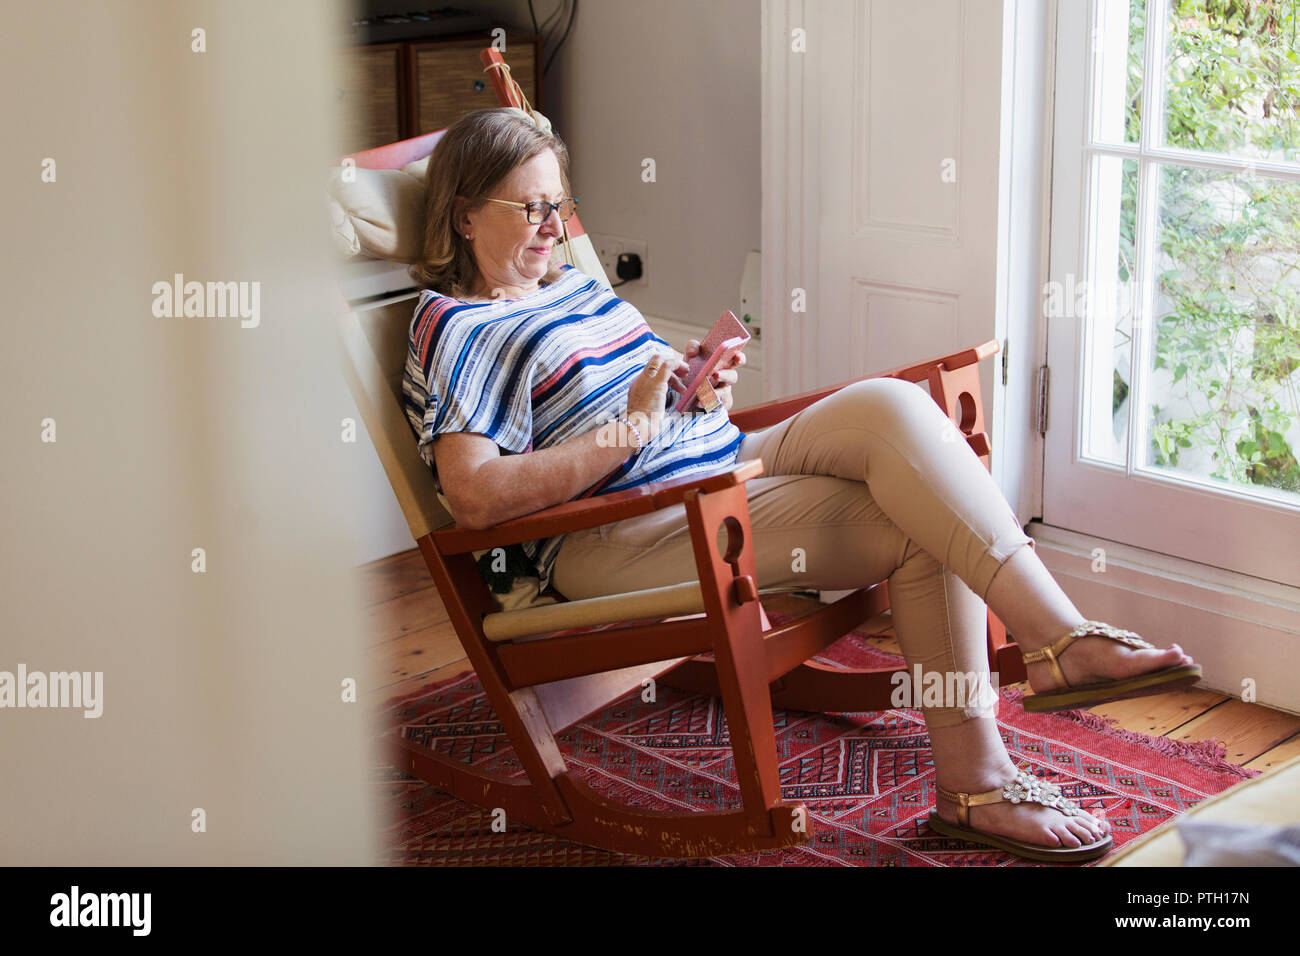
(1025, 788)
(1066, 697)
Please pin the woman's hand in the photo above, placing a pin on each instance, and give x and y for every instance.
(724, 375)
(648, 394)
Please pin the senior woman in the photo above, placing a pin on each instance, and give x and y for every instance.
(530, 384)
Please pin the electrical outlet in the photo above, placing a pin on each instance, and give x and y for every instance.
(607, 252)
(638, 247)
(609, 248)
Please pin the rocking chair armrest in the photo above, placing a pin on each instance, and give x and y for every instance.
(591, 512)
(778, 410)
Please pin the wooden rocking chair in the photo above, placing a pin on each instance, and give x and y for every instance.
(540, 682)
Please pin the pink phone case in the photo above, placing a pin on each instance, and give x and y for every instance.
(727, 337)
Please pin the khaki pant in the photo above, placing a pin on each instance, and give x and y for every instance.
(870, 483)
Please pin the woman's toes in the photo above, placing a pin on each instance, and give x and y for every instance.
(1066, 836)
(1156, 659)
(1081, 829)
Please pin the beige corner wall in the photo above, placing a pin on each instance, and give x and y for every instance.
(221, 690)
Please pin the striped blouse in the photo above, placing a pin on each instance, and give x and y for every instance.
(534, 372)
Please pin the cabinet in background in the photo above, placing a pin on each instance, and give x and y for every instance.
(393, 91)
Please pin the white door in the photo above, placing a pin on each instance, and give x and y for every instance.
(1173, 314)
(880, 197)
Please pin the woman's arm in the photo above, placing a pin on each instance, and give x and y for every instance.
(484, 487)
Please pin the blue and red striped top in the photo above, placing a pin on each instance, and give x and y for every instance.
(534, 372)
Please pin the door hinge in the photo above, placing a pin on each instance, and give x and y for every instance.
(1041, 418)
(1006, 344)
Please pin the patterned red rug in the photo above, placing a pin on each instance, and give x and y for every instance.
(867, 778)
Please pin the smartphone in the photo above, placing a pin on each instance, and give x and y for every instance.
(727, 337)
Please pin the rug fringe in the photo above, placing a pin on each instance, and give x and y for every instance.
(1207, 754)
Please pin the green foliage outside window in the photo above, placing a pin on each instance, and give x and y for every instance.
(1227, 324)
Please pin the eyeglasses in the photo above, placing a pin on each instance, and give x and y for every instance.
(539, 212)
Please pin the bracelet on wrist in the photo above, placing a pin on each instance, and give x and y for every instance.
(640, 442)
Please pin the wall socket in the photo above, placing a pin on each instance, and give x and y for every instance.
(609, 248)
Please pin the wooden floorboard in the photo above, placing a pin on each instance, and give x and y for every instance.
(1159, 714)
(1277, 755)
(394, 576)
(416, 683)
(1247, 731)
(411, 644)
(397, 617)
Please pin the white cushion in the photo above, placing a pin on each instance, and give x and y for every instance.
(379, 212)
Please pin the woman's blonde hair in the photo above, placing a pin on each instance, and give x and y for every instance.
(472, 158)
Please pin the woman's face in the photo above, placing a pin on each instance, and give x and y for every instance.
(511, 253)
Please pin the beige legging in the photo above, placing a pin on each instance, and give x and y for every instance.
(870, 482)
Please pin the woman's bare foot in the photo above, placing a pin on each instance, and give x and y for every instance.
(972, 758)
(1091, 659)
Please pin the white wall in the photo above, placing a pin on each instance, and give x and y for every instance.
(677, 82)
(374, 518)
